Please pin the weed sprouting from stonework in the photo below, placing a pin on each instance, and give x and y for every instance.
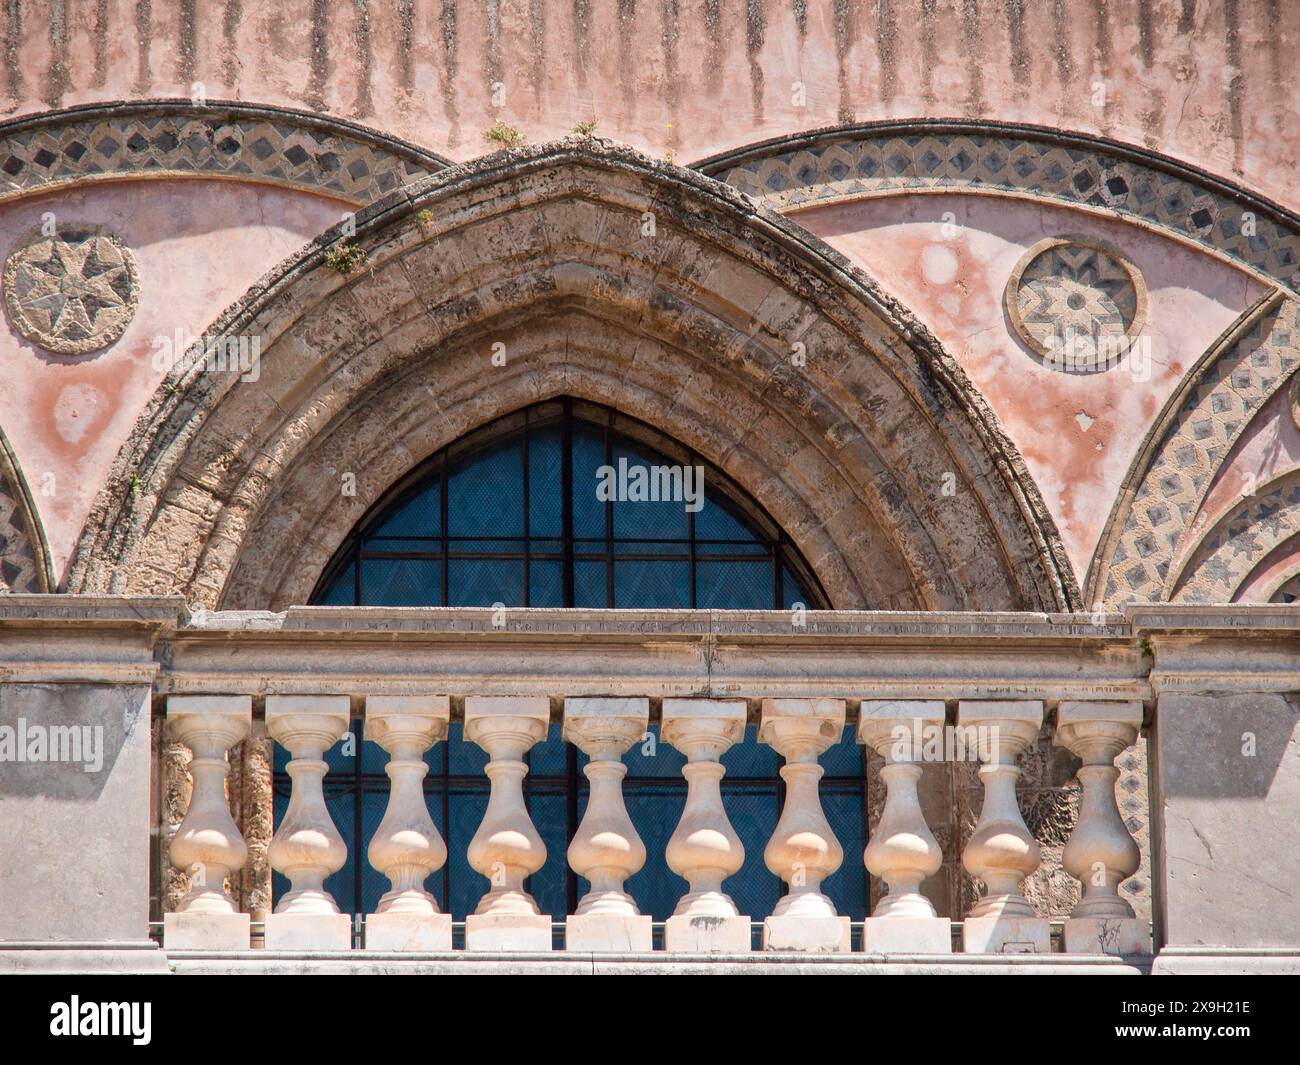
(505, 135)
(345, 258)
(586, 129)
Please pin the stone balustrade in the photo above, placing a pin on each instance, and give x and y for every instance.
(704, 849)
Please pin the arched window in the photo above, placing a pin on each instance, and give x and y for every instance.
(568, 504)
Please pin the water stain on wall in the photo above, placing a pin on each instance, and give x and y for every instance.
(320, 28)
(843, 41)
(56, 77)
(970, 13)
(230, 21)
(581, 17)
(406, 44)
(537, 48)
(887, 47)
(188, 53)
(363, 105)
(144, 42)
(713, 56)
(450, 70)
(755, 31)
(100, 38)
(1232, 52)
(927, 50)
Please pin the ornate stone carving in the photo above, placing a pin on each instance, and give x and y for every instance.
(1076, 302)
(72, 292)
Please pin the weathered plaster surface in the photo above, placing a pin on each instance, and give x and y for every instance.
(1205, 82)
(949, 258)
(199, 246)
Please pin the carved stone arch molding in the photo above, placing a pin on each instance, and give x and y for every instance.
(219, 140)
(607, 276)
(24, 554)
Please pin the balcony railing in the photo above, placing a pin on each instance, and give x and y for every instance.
(1210, 688)
(606, 849)
(909, 733)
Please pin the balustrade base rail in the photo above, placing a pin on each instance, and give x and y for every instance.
(558, 944)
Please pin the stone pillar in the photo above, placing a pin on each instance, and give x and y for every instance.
(1001, 850)
(606, 849)
(406, 846)
(704, 848)
(902, 851)
(803, 850)
(208, 845)
(307, 847)
(1100, 853)
(1225, 796)
(506, 848)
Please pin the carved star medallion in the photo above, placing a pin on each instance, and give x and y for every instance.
(1076, 302)
(72, 292)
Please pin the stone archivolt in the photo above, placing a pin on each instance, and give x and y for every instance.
(614, 279)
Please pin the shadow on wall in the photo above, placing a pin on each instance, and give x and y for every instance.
(61, 741)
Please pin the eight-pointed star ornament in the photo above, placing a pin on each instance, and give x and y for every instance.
(71, 292)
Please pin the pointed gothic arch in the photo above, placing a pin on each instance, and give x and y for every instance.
(597, 273)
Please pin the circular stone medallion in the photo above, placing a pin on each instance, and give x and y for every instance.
(73, 292)
(1076, 302)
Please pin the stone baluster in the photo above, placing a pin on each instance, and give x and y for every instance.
(704, 848)
(1101, 853)
(406, 846)
(606, 849)
(208, 844)
(507, 848)
(803, 850)
(307, 848)
(902, 850)
(1001, 850)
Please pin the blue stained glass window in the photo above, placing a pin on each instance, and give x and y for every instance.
(513, 513)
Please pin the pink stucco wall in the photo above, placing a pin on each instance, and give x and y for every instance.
(1078, 433)
(199, 245)
(1207, 81)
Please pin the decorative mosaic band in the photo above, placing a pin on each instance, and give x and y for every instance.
(224, 140)
(1231, 552)
(24, 557)
(1213, 415)
(857, 164)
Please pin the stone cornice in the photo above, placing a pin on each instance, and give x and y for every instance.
(1205, 648)
(850, 655)
(754, 655)
(83, 639)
